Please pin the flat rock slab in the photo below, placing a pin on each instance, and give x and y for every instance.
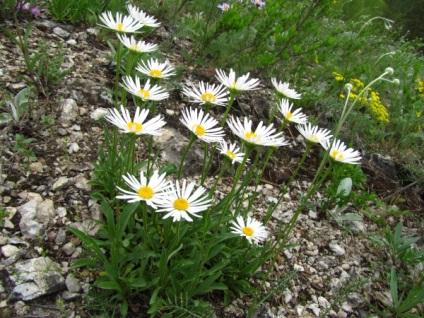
(35, 277)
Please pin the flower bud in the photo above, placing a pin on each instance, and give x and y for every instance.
(396, 81)
(348, 86)
(389, 70)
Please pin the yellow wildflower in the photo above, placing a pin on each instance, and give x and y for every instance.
(357, 84)
(377, 109)
(339, 77)
(420, 86)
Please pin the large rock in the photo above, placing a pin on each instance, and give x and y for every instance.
(34, 278)
(173, 145)
(69, 112)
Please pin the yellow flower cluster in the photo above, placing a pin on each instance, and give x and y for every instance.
(420, 86)
(377, 109)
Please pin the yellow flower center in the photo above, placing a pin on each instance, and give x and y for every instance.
(199, 130)
(156, 73)
(145, 94)
(134, 47)
(135, 127)
(181, 204)
(250, 135)
(145, 192)
(230, 154)
(208, 97)
(337, 155)
(119, 26)
(234, 84)
(289, 115)
(247, 230)
(313, 137)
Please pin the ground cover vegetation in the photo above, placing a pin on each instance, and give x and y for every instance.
(350, 84)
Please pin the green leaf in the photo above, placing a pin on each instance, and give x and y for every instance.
(139, 283)
(345, 187)
(124, 308)
(86, 262)
(414, 297)
(154, 295)
(207, 285)
(351, 217)
(393, 288)
(174, 252)
(108, 285)
(5, 118)
(89, 242)
(124, 217)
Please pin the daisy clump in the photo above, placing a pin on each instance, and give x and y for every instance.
(137, 125)
(252, 229)
(120, 24)
(340, 153)
(184, 201)
(201, 125)
(207, 94)
(146, 92)
(154, 69)
(149, 190)
(284, 91)
(261, 136)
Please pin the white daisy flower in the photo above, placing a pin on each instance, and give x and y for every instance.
(122, 24)
(155, 69)
(253, 230)
(137, 125)
(148, 190)
(231, 151)
(262, 136)
(338, 152)
(240, 84)
(313, 134)
(136, 46)
(207, 94)
(292, 116)
(284, 90)
(141, 17)
(146, 92)
(203, 126)
(182, 201)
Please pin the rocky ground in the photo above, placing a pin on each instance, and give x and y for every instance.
(44, 196)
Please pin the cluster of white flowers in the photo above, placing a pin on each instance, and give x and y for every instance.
(181, 199)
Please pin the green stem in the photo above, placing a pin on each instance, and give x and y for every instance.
(192, 139)
(132, 58)
(117, 73)
(299, 165)
(145, 228)
(226, 207)
(207, 165)
(204, 165)
(227, 110)
(221, 172)
(132, 139)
